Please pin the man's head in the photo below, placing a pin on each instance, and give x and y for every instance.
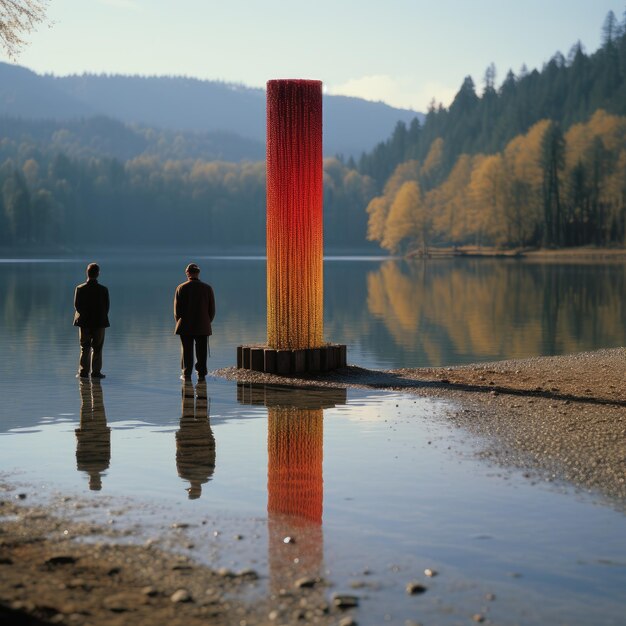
(192, 270)
(93, 270)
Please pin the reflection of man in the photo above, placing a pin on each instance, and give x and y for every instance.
(194, 310)
(91, 301)
(93, 437)
(195, 443)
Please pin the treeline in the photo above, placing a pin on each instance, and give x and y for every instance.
(546, 188)
(567, 90)
(559, 182)
(48, 198)
(101, 136)
(540, 161)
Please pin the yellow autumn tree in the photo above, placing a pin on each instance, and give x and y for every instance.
(409, 221)
(485, 191)
(523, 199)
(379, 207)
(449, 202)
(431, 170)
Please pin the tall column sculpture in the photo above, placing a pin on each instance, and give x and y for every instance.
(295, 291)
(294, 236)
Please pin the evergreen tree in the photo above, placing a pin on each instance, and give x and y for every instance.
(552, 162)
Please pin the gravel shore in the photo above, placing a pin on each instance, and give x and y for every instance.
(563, 416)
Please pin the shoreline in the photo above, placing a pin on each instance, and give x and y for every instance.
(560, 418)
(575, 253)
(563, 417)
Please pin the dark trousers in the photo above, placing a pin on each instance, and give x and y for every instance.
(186, 361)
(91, 342)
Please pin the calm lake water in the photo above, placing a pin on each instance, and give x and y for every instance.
(366, 481)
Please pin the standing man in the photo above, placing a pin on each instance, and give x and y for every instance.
(194, 310)
(91, 301)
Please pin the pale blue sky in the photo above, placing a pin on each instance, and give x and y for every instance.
(403, 52)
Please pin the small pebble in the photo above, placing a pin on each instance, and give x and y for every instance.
(224, 572)
(478, 618)
(289, 540)
(430, 572)
(490, 597)
(182, 595)
(61, 560)
(413, 588)
(305, 583)
(150, 591)
(342, 601)
(348, 621)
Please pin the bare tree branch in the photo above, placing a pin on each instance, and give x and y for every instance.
(17, 19)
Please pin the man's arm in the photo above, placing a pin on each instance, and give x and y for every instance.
(77, 299)
(211, 303)
(177, 305)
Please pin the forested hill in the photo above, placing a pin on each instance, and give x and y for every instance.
(567, 90)
(538, 161)
(223, 110)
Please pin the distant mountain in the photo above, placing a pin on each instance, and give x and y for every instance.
(223, 110)
(100, 136)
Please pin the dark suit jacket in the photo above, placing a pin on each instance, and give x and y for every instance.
(194, 308)
(91, 301)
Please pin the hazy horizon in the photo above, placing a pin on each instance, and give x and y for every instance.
(403, 54)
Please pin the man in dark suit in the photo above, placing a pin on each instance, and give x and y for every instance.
(194, 310)
(91, 301)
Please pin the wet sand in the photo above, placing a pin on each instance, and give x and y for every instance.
(50, 576)
(560, 418)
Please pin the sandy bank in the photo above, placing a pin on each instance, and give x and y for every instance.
(563, 416)
(50, 576)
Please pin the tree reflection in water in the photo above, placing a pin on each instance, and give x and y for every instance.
(450, 311)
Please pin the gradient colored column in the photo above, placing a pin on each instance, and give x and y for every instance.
(295, 490)
(295, 291)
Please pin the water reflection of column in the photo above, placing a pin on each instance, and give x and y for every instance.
(93, 437)
(195, 443)
(295, 492)
(295, 483)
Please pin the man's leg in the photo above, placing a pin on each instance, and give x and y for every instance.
(186, 355)
(201, 353)
(97, 341)
(84, 364)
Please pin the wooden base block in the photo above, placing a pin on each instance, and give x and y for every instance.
(289, 362)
